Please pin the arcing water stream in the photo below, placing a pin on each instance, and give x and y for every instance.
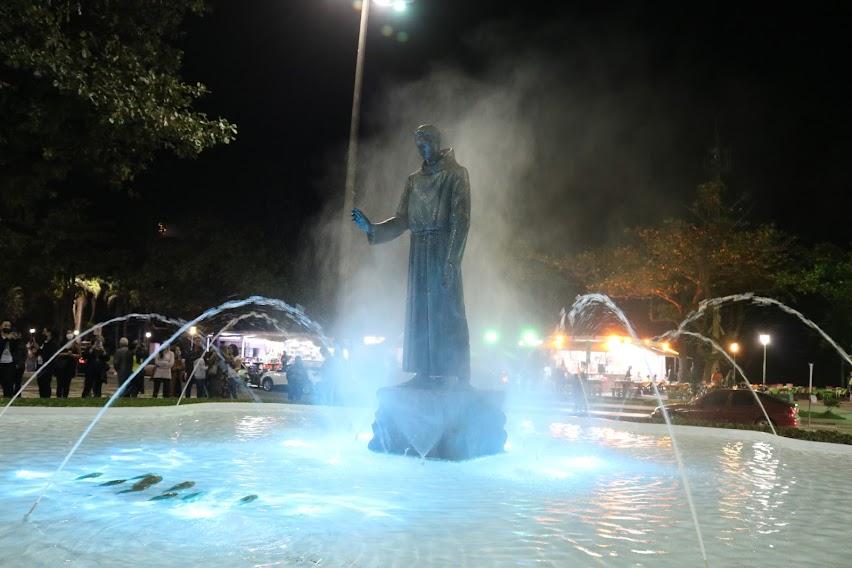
(298, 316)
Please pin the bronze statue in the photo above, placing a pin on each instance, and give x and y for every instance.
(435, 207)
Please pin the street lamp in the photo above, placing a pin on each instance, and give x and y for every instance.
(354, 126)
(734, 348)
(764, 340)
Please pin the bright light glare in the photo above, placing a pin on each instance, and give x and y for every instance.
(147, 335)
(613, 342)
(76, 332)
(491, 336)
(193, 330)
(583, 462)
(764, 339)
(195, 511)
(529, 338)
(734, 347)
(373, 340)
(399, 6)
(29, 474)
(32, 330)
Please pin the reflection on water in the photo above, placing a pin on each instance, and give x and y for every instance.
(569, 492)
(756, 490)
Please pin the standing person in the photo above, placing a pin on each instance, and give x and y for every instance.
(716, 378)
(297, 377)
(198, 378)
(214, 388)
(232, 364)
(178, 372)
(330, 376)
(9, 358)
(163, 372)
(34, 360)
(192, 358)
(284, 359)
(122, 362)
(66, 367)
(95, 375)
(45, 377)
(139, 355)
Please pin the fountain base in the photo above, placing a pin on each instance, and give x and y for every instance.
(448, 423)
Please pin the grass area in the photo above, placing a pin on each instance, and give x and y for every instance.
(826, 415)
(121, 402)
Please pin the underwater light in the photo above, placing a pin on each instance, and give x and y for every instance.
(583, 462)
(29, 474)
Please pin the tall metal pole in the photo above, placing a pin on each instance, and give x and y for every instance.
(810, 390)
(735, 369)
(764, 365)
(346, 229)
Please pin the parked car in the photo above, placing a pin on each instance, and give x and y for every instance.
(270, 380)
(735, 406)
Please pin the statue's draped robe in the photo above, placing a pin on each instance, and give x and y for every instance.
(435, 207)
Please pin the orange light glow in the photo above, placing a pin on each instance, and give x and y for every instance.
(613, 342)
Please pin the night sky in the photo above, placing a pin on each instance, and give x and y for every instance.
(774, 78)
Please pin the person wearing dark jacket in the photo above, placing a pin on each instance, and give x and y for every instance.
(297, 379)
(45, 374)
(11, 361)
(96, 369)
(122, 361)
(66, 367)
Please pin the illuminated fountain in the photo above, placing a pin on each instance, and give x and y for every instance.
(294, 485)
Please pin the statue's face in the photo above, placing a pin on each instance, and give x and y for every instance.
(429, 147)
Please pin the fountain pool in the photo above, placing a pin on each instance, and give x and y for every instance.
(568, 492)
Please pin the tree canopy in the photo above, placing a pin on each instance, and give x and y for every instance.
(90, 94)
(678, 264)
(93, 88)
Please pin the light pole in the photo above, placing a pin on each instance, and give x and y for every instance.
(352, 153)
(764, 340)
(734, 348)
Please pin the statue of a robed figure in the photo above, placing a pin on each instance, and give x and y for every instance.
(436, 414)
(435, 208)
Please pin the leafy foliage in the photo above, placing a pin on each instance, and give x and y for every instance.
(90, 95)
(682, 262)
(94, 87)
(678, 264)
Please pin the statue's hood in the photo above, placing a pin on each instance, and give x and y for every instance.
(447, 160)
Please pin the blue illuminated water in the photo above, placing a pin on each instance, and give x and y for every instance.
(568, 491)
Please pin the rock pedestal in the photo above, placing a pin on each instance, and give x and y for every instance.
(447, 423)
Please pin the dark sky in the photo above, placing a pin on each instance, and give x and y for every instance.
(774, 77)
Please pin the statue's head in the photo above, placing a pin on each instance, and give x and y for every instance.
(428, 140)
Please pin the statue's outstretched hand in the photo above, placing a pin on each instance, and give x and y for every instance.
(361, 221)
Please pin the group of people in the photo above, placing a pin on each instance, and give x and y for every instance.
(18, 357)
(212, 373)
